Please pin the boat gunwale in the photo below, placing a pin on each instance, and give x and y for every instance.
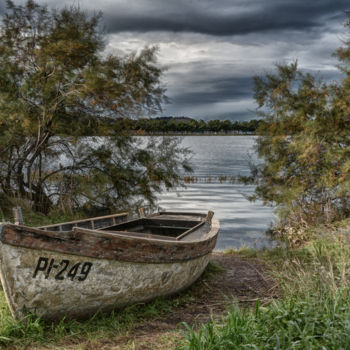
(82, 220)
(112, 245)
(201, 215)
(62, 235)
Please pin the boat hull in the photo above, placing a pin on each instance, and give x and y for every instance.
(53, 285)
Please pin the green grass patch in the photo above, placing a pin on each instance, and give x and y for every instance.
(307, 323)
(211, 270)
(33, 330)
(244, 251)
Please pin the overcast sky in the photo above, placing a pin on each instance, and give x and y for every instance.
(213, 48)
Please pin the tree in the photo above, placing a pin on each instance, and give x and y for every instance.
(54, 79)
(214, 125)
(226, 125)
(305, 143)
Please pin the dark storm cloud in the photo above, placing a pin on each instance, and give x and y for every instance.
(218, 90)
(213, 48)
(224, 18)
(2, 8)
(243, 115)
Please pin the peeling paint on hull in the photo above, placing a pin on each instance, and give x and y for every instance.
(53, 285)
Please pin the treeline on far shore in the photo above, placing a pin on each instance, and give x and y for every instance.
(186, 125)
(183, 125)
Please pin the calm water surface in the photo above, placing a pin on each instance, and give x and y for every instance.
(243, 223)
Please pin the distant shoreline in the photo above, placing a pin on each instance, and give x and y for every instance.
(192, 134)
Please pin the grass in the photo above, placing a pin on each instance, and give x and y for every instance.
(313, 312)
(304, 323)
(243, 251)
(34, 330)
(212, 269)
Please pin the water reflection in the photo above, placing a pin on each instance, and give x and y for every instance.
(243, 223)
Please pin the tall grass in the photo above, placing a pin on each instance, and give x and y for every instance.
(313, 313)
(307, 323)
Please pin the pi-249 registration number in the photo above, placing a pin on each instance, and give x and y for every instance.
(62, 270)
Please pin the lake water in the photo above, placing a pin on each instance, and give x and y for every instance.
(243, 223)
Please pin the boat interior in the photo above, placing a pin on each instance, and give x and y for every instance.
(171, 226)
(162, 225)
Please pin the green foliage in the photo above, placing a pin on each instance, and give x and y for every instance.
(54, 81)
(305, 144)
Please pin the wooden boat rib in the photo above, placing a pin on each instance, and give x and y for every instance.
(73, 269)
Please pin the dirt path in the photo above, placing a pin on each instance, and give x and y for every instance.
(231, 278)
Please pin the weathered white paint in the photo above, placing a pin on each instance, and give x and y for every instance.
(109, 284)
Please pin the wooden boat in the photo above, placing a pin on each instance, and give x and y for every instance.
(75, 269)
